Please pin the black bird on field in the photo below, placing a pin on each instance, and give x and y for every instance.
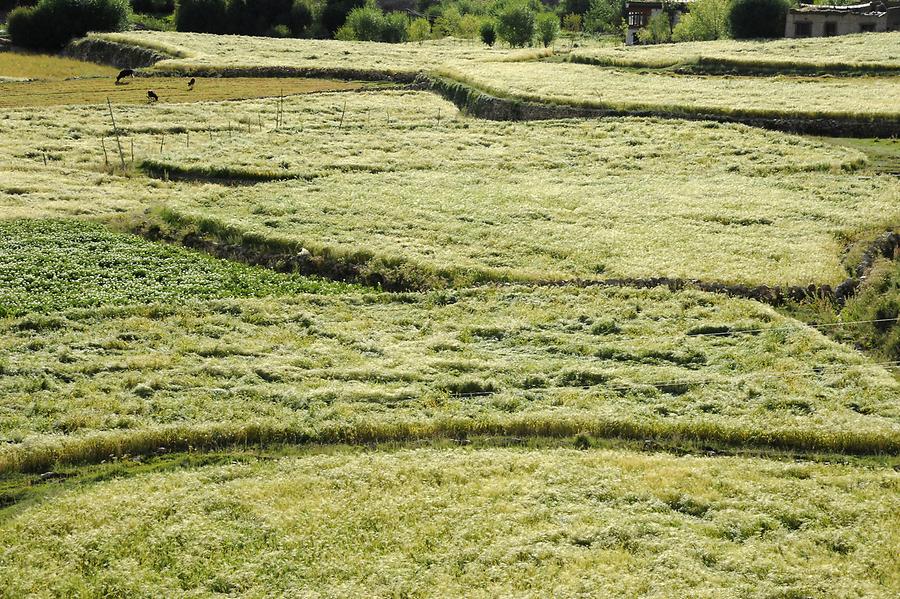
(191, 83)
(151, 96)
(124, 73)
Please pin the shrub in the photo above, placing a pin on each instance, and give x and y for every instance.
(515, 25)
(572, 22)
(548, 28)
(604, 16)
(708, 20)
(418, 30)
(448, 22)
(750, 19)
(469, 27)
(203, 16)
(258, 17)
(488, 33)
(369, 24)
(52, 23)
(156, 7)
(657, 31)
(394, 26)
(335, 13)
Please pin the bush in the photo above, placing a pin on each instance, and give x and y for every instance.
(52, 23)
(572, 22)
(418, 30)
(335, 13)
(203, 16)
(657, 31)
(548, 28)
(752, 19)
(604, 16)
(369, 24)
(708, 20)
(515, 25)
(469, 26)
(394, 26)
(154, 7)
(488, 33)
(448, 22)
(275, 18)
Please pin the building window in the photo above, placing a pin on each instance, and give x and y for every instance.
(803, 30)
(636, 19)
(865, 27)
(830, 28)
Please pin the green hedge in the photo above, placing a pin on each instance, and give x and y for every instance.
(52, 23)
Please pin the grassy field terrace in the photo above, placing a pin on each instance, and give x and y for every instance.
(401, 177)
(846, 54)
(478, 523)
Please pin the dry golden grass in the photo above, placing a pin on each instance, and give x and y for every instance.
(19, 65)
(170, 90)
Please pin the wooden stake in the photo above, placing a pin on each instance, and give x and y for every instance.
(105, 155)
(162, 139)
(132, 152)
(187, 138)
(44, 154)
(343, 110)
(116, 131)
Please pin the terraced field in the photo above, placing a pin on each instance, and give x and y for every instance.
(844, 54)
(468, 200)
(529, 411)
(588, 86)
(467, 522)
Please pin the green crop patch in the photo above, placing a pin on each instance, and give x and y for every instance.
(479, 523)
(49, 266)
(83, 384)
(401, 176)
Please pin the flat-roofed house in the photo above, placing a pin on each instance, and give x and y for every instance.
(638, 14)
(824, 21)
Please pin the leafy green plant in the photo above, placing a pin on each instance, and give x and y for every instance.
(515, 25)
(488, 33)
(547, 28)
(752, 19)
(50, 24)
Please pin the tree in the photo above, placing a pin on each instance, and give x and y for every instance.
(547, 27)
(604, 16)
(515, 25)
(657, 31)
(50, 24)
(572, 22)
(335, 13)
(751, 19)
(488, 33)
(707, 20)
(418, 30)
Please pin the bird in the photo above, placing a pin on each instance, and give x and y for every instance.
(124, 73)
(151, 96)
(191, 83)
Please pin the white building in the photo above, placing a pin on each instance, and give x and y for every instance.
(638, 14)
(825, 21)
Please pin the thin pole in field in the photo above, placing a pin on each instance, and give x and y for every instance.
(132, 151)
(105, 155)
(343, 110)
(162, 140)
(116, 131)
